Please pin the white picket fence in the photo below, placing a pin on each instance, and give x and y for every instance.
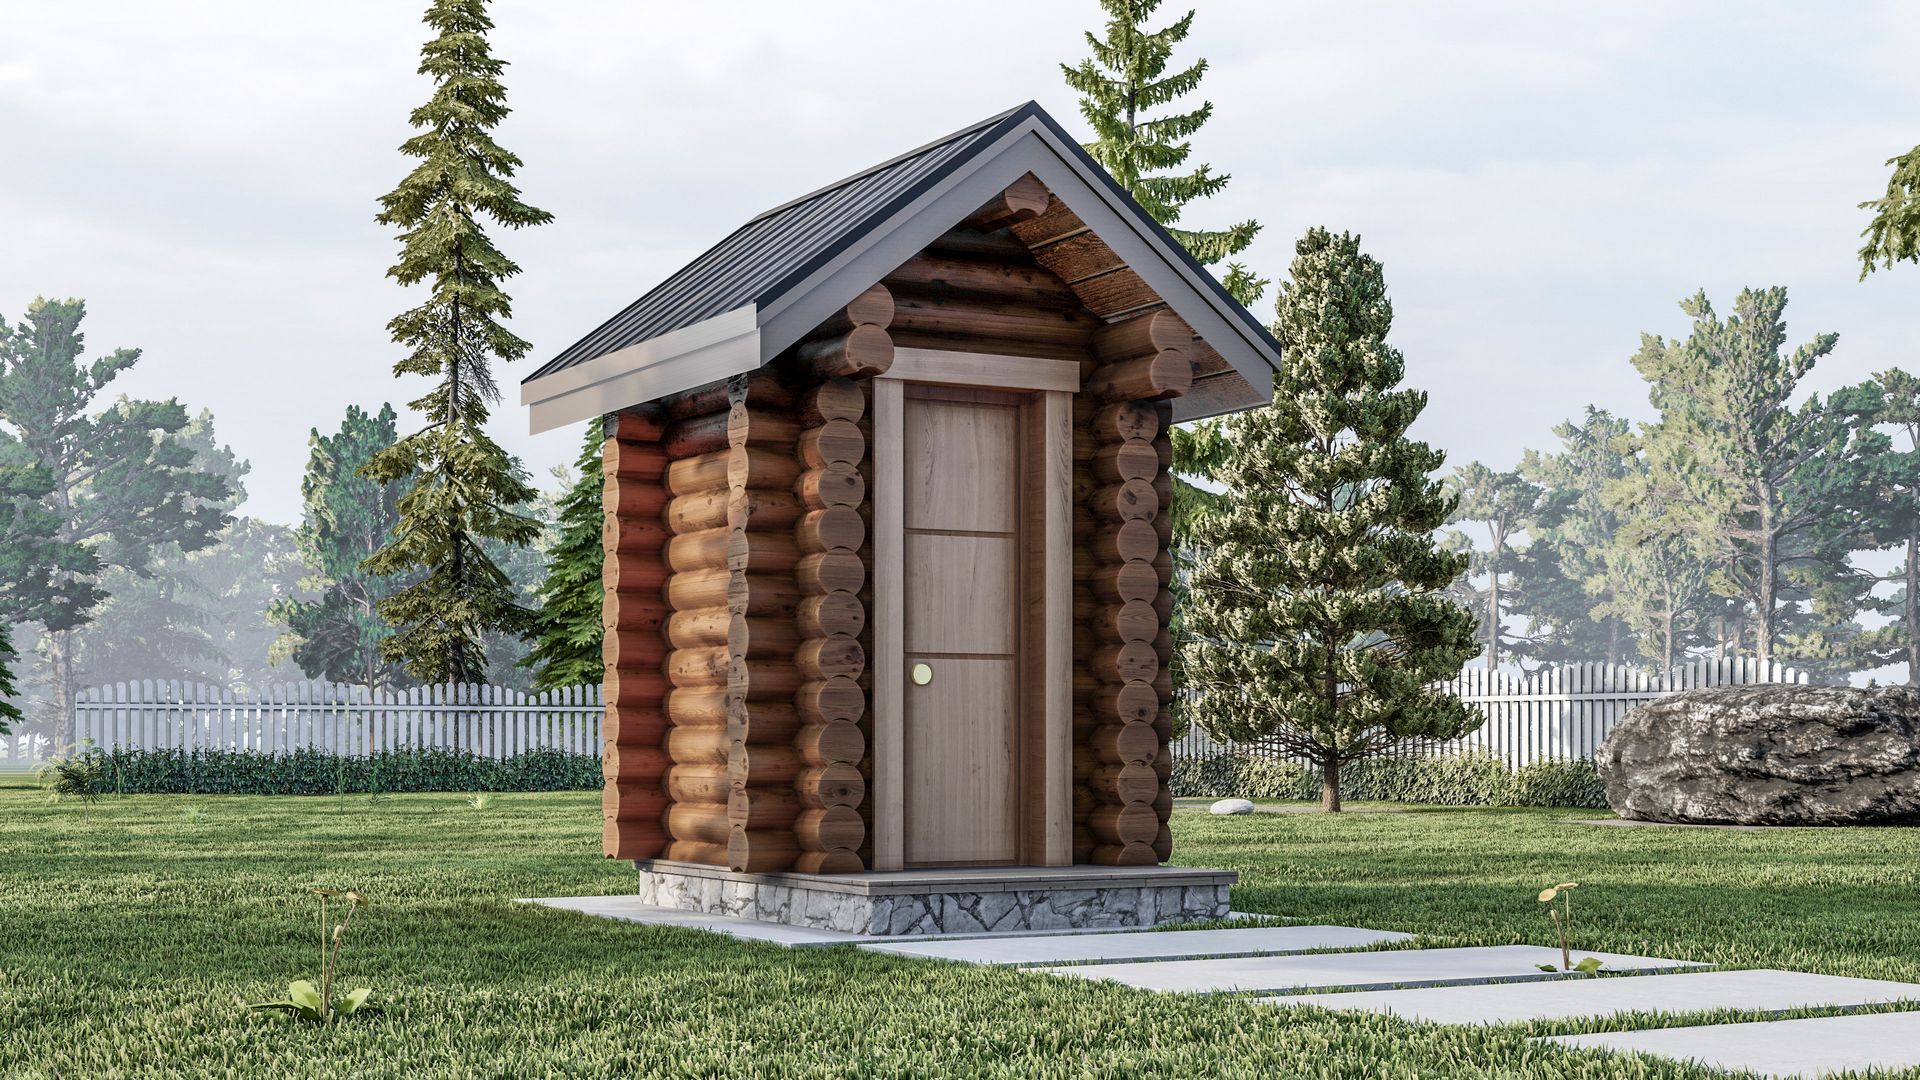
(491, 721)
(1564, 712)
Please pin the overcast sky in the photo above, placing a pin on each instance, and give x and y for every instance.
(1542, 182)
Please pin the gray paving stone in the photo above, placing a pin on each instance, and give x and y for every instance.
(1760, 990)
(1780, 1048)
(1028, 951)
(1356, 971)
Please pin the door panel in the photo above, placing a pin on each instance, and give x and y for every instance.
(947, 443)
(960, 764)
(960, 593)
(961, 590)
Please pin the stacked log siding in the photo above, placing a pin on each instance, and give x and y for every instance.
(737, 559)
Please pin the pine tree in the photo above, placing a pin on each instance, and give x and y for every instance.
(122, 484)
(1505, 503)
(1775, 494)
(1891, 399)
(28, 556)
(1893, 235)
(465, 489)
(1318, 619)
(347, 517)
(1126, 77)
(1564, 576)
(567, 628)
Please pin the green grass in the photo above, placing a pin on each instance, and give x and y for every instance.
(134, 936)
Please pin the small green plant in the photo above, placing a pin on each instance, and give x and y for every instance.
(1562, 917)
(80, 775)
(318, 1003)
(195, 815)
(481, 801)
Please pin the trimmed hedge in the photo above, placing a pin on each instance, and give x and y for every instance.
(316, 772)
(1454, 780)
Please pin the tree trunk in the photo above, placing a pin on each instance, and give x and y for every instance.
(1493, 620)
(1666, 639)
(1763, 620)
(60, 663)
(1613, 641)
(1913, 606)
(1330, 785)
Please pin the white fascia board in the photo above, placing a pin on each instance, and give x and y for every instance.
(727, 344)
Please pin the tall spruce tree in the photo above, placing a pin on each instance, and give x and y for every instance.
(464, 489)
(347, 517)
(1125, 78)
(567, 628)
(1317, 617)
(122, 484)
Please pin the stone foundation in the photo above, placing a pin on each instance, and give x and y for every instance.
(972, 900)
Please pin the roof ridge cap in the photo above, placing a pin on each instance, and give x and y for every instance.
(1018, 111)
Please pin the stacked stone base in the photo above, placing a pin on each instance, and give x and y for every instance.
(946, 901)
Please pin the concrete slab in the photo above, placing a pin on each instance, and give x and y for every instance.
(1760, 990)
(1031, 951)
(1356, 971)
(630, 909)
(1780, 1048)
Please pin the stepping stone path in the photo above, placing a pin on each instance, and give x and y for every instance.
(1480, 986)
(1353, 971)
(1813, 1047)
(1701, 991)
(1032, 951)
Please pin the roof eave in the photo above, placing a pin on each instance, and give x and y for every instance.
(727, 344)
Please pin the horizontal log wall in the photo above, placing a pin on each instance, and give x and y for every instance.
(634, 758)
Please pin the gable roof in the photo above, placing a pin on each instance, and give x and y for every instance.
(747, 298)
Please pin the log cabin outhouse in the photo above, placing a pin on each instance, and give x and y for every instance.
(887, 523)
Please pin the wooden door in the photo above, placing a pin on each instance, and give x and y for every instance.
(961, 585)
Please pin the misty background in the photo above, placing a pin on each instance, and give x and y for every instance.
(1542, 186)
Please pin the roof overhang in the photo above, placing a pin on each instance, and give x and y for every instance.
(741, 340)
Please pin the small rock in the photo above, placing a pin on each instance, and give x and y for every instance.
(1232, 806)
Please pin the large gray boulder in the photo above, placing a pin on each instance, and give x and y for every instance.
(1768, 755)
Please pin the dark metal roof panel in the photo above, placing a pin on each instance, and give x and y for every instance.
(758, 260)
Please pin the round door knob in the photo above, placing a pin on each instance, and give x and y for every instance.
(922, 674)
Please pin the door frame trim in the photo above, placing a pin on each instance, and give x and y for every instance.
(1046, 746)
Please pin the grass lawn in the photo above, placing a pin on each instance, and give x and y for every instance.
(134, 937)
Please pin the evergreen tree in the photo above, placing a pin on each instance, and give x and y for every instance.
(1565, 577)
(1776, 494)
(1893, 235)
(1318, 619)
(1127, 77)
(1505, 503)
(1651, 573)
(348, 516)
(464, 490)
(198, 614)
(567, 628)
(1891, 399)
(121, 484)
(29, 556)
